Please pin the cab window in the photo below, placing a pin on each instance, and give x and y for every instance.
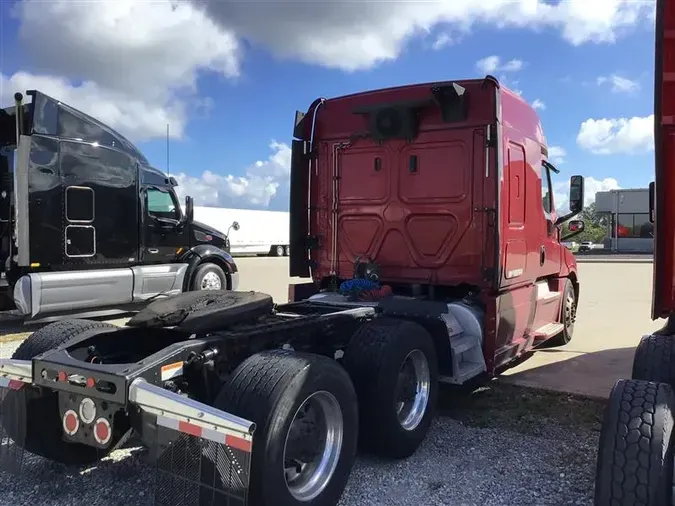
(546, 199)
(161, 204)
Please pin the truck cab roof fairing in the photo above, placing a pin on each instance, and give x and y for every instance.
(49, 116)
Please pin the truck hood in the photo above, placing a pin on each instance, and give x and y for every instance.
(663, 294)
(202, 232)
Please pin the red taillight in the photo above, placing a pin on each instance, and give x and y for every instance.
(91, 382)
(71, 423)
(62, 376)
(102, 431)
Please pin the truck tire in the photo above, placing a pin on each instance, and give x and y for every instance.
(42, 420)
(209, 277)
(635, 456)
(391, 425)
(568, 315)
(270, 388)
(654, 359)
(278, 251)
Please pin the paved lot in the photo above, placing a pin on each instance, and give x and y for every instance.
(614, 313)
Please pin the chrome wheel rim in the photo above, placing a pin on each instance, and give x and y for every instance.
(413, 390)
(570, 312)
(280, 251)
(211, 281)
(313, 445)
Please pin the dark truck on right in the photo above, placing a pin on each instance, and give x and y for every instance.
(423, 219)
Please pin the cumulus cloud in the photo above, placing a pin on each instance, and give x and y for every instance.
(493, 64)
(538, 104)
(356, 35)
(265, 184)
(618, 83)
(591, 187)
(133, 65)
(556, 155)
(607, 136)
(136, 118)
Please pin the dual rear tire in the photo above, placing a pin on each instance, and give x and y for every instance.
(311, 413)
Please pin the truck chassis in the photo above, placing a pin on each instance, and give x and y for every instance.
(200, 376)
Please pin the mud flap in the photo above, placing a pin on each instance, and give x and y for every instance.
(12, 424)
(202, 455)
(195, 471)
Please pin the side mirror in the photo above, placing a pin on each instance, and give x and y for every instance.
(652, 201)
(576, 194)
(189, 209)
(576, 199)
(575, 227)
(235, 225)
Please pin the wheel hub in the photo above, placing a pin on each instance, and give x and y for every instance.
(313, 446)
(211, 281)
(413, 390)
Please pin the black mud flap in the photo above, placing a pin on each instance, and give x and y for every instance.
(12, 425)
(200, 471)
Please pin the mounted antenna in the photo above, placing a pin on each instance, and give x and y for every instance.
(167, 150)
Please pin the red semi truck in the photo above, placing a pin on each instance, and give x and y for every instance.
(635, 454)
(422, 217)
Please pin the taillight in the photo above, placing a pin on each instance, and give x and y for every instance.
(102, 431)
(71, 423)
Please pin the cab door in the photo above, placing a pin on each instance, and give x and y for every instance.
(549, 234)
(164, 232)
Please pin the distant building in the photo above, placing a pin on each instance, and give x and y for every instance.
(628, 227)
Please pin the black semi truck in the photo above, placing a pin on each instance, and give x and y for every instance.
(87, 223)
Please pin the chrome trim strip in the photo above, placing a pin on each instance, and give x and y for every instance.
(22, 223)
(161, 402)
(18, 370)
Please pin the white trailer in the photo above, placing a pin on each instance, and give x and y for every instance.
(259, 232)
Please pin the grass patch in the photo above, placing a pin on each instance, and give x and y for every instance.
(522, 409)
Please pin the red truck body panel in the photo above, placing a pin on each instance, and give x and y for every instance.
(663, 300)
(459, 204)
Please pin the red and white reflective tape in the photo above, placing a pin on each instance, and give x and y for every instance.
(11, 384)
(221, 436)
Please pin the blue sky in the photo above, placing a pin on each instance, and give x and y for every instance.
(229, 81)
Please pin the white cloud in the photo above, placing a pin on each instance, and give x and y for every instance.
(556, 155)
(264, 184)
(356, 35)
(133, 65)
(591, 187)
(617, 135)
(136, 118)
(538, 104)
(492, 64)
(444, 39)
(619, 84)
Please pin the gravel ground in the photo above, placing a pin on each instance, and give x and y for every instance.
(500, 445)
